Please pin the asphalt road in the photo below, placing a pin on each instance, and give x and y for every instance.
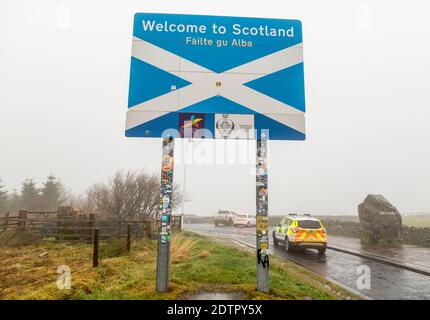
(387, 282)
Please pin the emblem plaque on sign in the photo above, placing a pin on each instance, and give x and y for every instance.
(225, 126)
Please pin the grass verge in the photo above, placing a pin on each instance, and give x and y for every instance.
(197, 264)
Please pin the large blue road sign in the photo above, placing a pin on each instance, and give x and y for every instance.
(216, 77)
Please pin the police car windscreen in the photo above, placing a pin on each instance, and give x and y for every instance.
(309, 224)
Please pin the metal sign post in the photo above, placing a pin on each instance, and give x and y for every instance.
(164, 231)
(262, 227)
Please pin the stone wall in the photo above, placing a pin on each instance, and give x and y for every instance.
(342, 228)
(410, 235)
(416, 235)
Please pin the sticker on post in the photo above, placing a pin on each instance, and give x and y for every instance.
(167, 163)
(163, 238)
(262, 223)
(264, 252)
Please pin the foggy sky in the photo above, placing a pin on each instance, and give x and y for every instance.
(64, 71)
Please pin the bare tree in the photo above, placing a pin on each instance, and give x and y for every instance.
(127, 196)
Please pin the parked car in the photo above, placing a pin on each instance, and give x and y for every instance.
(224, 217)
(244, 220)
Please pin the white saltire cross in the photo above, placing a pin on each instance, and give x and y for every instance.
(204, 85)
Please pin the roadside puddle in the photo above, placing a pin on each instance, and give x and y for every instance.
(206, 295)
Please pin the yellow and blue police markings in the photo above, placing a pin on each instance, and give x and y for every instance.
(294, 235)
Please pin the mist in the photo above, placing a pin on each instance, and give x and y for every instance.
(64, 87)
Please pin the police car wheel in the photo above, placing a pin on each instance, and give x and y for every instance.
(275, 241)
(322, 250)
(288, 246)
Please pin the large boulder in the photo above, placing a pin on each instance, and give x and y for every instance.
(380, 221)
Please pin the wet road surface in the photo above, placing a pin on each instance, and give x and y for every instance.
(410, 255)
(387, 282)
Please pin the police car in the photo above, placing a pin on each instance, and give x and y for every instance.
(300, 231)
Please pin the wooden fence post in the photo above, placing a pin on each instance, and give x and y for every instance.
(92, 220)
(59, 223)
(64, 214)
(119, 230)
(128, 237)
(22, 214)
(96, 248)
(6, 221)
(91, 224)
(147, 229)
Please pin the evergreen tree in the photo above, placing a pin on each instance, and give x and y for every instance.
(14, 201)
(52, 194)
(30, 197)
(3, 199)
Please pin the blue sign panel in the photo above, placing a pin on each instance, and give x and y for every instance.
(216, 77)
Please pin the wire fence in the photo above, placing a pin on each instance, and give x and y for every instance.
(109, 236)
(69, 225)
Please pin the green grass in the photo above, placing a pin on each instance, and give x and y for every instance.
(417, 221)
(17, 238)
(198, 264)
